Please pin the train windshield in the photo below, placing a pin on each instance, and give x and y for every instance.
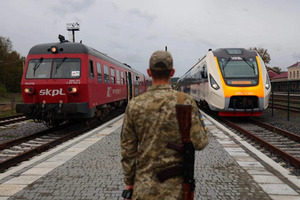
(66, 68)
(39, 68)
(237, 67)
(60, 68)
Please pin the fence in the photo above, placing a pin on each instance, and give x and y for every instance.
(288, 95)
(8, 103)
(292, 87)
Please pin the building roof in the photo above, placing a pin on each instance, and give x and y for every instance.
(272, 73)
(295, 65)
(281, 76)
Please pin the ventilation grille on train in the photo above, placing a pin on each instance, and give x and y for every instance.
(243, 102)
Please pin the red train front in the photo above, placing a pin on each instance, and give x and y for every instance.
(66, 80)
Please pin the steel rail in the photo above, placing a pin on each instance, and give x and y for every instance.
(10, 143)
(12, 119)
(30, 153)
(286, 156)
(280, 131)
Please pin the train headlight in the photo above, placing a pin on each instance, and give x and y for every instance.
(54, 49)
(28, 90)
(267, 82)
(72, 90)
(213, 83)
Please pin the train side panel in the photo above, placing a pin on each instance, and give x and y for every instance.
(214, 97)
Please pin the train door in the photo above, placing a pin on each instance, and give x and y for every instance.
(129, 85)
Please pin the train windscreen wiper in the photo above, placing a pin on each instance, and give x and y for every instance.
(246, 61)
(223, 67)
(251, 65)
(229, 59)
(59, 64)
(37, 65)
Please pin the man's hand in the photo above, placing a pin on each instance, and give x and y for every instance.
(128, 187)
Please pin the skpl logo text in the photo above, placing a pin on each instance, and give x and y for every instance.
(54, 92)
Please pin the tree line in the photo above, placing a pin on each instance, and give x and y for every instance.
(11, 67)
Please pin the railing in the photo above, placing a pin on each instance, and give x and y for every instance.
(288, 94)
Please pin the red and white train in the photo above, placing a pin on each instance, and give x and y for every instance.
(65, 80)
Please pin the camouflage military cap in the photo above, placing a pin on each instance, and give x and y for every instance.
(161, 56)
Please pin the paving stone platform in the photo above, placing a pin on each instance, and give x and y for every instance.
(89, 167)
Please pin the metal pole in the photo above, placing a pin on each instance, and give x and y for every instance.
(73, 32)
(272, 85)
(288, 101)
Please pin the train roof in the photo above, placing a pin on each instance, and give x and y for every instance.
(73, 48)
(228, 52)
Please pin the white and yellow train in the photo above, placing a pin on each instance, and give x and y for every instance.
(231, 81)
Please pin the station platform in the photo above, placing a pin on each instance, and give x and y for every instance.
(89, 167)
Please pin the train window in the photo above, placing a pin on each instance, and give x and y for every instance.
(39, 68)
(91, 69)
(112, 75)
(246, 67)
(62, 68)
(122, 78)
(136, 80)
(118, 76)
(66, 68)
(106, 74)
(204, 71)
(99, 72)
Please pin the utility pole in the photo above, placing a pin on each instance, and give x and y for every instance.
(73, 27)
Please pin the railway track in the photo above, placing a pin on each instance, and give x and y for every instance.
(282, 143)
(12, 119)
(20, 149)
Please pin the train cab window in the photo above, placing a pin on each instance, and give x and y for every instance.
(238, 67)
(99, 72)
(66, 68)
(39, 68)
(118, 76)
(204, 71)
(61, 68)
(91, 69)
(106, 74)
(122, 78)
(112, 75)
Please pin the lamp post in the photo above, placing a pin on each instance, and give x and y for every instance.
(73, 27)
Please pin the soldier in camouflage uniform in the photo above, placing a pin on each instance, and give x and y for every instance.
(149, 124)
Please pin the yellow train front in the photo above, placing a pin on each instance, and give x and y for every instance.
(231, 81)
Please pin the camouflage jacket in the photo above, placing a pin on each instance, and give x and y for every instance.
(149, 124)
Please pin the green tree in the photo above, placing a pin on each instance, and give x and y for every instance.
(263, 54)
(11, 67)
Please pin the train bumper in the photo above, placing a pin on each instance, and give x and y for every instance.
(55, 111)
(241, 106)
(28, 108)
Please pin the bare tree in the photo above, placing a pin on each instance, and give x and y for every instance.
(263, 54)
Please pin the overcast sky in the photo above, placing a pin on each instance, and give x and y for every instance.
(131, 30)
